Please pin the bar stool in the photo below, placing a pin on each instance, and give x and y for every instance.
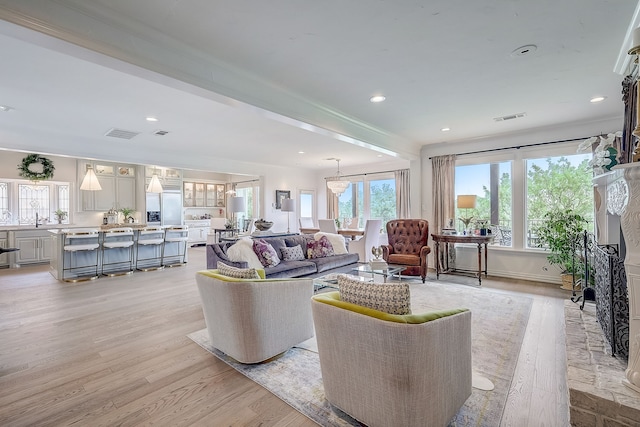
(153, 239)
(77, 241)
(117, 239)
(178, 234)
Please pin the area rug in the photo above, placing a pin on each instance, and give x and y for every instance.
(499, 321)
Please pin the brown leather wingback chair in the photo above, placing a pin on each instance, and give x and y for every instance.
(408, 245)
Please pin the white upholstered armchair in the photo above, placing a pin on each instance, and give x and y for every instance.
(363, 245)
(253, 320)
(393, 370)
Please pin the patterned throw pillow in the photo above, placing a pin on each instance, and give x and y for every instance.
(392, 298)
(292, 254)
(238, 273)
(319, 248)
(266, 254)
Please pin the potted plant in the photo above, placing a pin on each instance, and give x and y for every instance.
(126, 212)
(60, 215)
(561, 234)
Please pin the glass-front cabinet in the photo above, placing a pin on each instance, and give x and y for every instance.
(201, 194)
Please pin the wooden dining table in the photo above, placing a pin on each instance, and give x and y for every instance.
(350, 232)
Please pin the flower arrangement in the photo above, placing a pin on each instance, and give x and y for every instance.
(605, 154)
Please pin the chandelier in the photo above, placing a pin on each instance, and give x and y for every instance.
(336, 184)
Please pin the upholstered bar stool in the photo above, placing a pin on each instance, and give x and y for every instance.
(115, 241)
(152, 239)
(80, 243)
(175, 235)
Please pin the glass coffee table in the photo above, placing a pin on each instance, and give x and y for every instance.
(328, 281)
(379, 275)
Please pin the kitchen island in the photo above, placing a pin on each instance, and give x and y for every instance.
(89, 263)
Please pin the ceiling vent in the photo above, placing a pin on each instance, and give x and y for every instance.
(122, 134)
(161, 132)
(510, 117)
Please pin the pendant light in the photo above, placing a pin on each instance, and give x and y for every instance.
(154, 185)
(336, 184)
(90, 181)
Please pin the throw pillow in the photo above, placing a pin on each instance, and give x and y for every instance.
(242, 250)
(392, 298)
(319, 248)
(238, 273)
(337, 241)
(266, 254)
(292, 254)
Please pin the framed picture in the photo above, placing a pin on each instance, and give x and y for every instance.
(281, 194)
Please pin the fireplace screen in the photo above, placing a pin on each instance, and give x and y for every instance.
(612, 300)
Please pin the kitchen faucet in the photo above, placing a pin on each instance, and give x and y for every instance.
(36, 219)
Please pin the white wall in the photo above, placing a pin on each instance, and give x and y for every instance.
(515, 262)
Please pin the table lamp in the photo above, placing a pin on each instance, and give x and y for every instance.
(466, 202)
(288, 205)
(237, 206)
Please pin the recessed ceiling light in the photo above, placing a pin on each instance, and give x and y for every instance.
(152, 119)
(300, 152)
(598, 99)
(445, 129)
(5, 108)
(379, 155)
(377, 98)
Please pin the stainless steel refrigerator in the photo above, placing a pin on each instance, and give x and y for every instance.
(164, 208)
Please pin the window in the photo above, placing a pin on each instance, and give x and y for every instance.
(491, 183)
(33, 200)
(516, 189)
(382, 197)
(307, 208)
(5, 214)
(562, 182)
(351, 203)
(63, 201)
(368, 198)
(251, 193)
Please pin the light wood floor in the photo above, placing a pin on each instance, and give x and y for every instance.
(115, 352)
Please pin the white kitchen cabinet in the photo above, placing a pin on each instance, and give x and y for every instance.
(34, 246)
(4, 243)
(198, 231)
(118, 182)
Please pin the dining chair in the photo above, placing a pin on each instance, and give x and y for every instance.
(327, 226)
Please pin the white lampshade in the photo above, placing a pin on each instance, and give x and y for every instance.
(154, 185)
(237, 204)
(467, 201)
(288, 205)
(90, 181)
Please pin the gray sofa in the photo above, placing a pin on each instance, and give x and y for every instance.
(307, 267)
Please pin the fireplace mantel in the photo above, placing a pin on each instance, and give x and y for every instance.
(627, 203)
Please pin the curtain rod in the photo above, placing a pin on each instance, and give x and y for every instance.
(517, 147)
(242, 182)
(364, 174)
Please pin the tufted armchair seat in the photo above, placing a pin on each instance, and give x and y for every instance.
(408, 246)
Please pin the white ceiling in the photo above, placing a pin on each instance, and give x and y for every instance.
(242, 82)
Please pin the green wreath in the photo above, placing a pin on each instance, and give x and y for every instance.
(47, 168)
